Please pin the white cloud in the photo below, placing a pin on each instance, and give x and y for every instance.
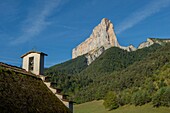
(36, 21)
(153, 7)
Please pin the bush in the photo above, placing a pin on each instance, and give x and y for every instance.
(140, 97)
(110, 101)
(124, 97)
(162, 97)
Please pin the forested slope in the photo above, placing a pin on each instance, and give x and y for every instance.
(93, 81)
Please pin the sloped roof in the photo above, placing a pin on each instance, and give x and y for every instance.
(17, 69)
(33, 52)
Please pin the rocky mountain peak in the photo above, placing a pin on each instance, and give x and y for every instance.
(103, 36)
(105, 22)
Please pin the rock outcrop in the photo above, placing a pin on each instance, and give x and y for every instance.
(148, 43)
(92, 55)
(129, 48)
(151, 41)
(102, 38)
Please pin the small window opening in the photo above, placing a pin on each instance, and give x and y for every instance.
(31, 63)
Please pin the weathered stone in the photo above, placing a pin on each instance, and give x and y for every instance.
(151, 41)
(102, 38)
(128, 48)
(92, 55)
(148, 43)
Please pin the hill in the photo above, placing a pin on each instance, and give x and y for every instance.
(139, 71)
(97, 107)
(24, 92)
(68, 68)
(92, 82)
(120, 78)
(142, 82)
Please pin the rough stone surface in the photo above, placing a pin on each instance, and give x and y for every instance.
(151, 41)
(102, 38)
(91, 56)
(128, 48)
(148, 43)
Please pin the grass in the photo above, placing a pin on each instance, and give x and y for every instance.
(97, 107)
(21, 93)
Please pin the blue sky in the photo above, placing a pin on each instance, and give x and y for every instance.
(57, 26)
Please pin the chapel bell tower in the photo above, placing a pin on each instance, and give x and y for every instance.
(34, 62)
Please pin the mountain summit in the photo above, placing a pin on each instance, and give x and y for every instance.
(102, 38)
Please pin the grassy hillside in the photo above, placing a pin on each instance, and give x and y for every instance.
(97, 107)
(23, 93)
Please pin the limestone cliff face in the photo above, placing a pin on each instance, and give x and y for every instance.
(128, 48)
(151, 41)
(148, 43)
(92, 55)
(102, 38)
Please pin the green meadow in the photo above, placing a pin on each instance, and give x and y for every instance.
(97, 107)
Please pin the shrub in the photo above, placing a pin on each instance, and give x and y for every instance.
(140, 97)
(124, 97)
(162, 97)
(110, 101)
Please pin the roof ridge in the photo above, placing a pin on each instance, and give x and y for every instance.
(33, 52)
(17, 69)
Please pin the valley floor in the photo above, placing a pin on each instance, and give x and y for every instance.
(97, 107)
